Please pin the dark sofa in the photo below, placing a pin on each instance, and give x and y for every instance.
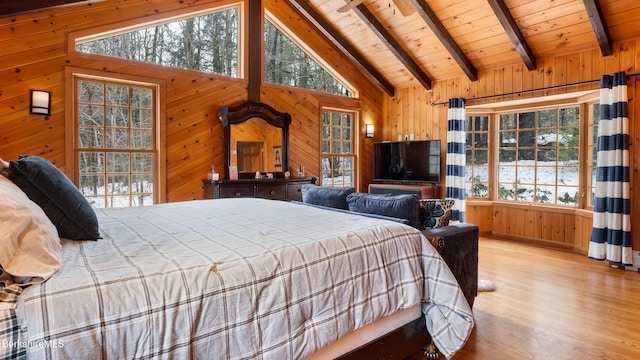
(456, 243)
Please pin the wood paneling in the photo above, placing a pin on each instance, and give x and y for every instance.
(570, 229)
(546, 225)
(34, 54)
(305, 109)
(481, 214)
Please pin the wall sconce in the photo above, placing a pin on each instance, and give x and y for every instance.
(40, 102)
(369, 130)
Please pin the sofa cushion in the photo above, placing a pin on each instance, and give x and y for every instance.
(435, 212)
(326, 196)
(403, 206)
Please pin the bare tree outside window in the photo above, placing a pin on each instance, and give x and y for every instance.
(207, 43)
(285, 63)
(338, 158)
(115, 144)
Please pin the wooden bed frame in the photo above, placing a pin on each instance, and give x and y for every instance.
(402, 343)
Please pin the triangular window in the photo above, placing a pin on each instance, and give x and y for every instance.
(288, 63)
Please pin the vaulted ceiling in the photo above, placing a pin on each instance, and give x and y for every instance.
(445, 39)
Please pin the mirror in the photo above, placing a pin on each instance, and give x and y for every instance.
(256, 138)
(256, 146)
(249, 155)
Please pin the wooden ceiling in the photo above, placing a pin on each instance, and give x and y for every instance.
(446, 39)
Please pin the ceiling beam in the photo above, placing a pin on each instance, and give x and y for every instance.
(13, 7)
(393, 45)
(445, 38)
(306, 10)
(599, 26)
(255, 54)
(514, 33)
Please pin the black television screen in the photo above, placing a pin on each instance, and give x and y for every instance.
(410, 161)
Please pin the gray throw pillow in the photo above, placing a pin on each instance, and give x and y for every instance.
(326, 196)
(405, 206)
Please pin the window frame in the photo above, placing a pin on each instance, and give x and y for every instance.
(354, 155)
(118, 28)
(470, 130)
(583, 100)
(590, 150)
(72, 76)
(268, 16)
(535, 184)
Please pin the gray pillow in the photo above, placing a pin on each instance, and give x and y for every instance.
(63, 203)
(405, 206)
(326, 196)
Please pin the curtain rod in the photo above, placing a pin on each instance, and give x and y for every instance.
(530, 91)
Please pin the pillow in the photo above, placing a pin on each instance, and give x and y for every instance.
(404, 206)
(435, 212)
(63, 203)
(326, 196)
(30, 249)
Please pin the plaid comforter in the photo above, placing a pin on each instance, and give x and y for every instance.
(10, 336)
(235, 279)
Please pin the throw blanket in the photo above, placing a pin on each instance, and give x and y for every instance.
(11, 346)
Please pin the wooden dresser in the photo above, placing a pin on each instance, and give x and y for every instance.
(276, 189)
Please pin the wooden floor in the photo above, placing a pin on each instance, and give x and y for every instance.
(551, 304)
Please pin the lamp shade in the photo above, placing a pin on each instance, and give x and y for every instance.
(369, 128)
(40, 102)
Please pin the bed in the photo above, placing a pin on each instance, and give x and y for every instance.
(233, 279)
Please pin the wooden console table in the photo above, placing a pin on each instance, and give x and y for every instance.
(276, 189)
(423, 191)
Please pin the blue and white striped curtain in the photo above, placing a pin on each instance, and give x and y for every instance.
(456, 155)
(611, 235)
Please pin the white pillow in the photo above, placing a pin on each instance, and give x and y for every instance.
(30, 248)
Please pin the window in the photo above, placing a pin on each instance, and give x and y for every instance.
(477, 157)
(592, 151)
(538, 156)
(116, 155)
(207, 43)
(285, 63)
(338, 158)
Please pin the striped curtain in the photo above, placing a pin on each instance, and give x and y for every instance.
(456, 155)
(611, 234)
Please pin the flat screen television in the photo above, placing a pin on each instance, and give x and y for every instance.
(408, 161)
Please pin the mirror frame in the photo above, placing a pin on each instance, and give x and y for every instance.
(249, 110)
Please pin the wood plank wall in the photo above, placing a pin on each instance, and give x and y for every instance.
(33, 49)
(305, 106)
(411, 111)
